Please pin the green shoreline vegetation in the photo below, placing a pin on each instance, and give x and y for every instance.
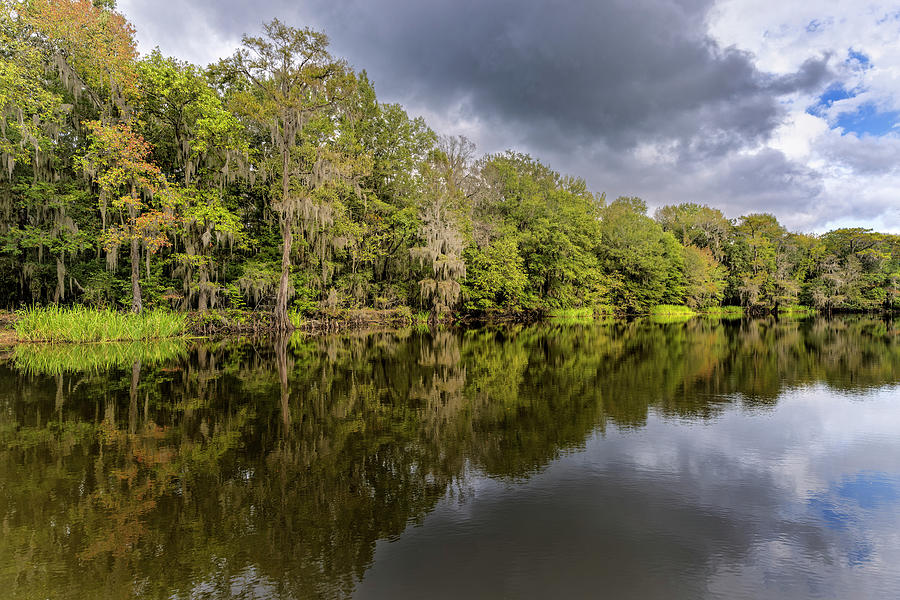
(51, 325)
(668, 309)
(720, 312)
(261, 194)
(82, 325)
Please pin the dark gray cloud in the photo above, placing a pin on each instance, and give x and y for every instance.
(581, 84)
(560, 73)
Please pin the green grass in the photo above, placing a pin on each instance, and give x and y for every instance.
(580, 316)
(81, 324)
(726, 312)
(296, 318)
(674, 310)
(54, 359)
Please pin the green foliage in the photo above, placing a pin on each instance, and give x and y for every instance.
(29, 110)
(705, 278)
(853, 269)
(304, 301)
(796, 309)
(552, 224)
(495, 277)
(187, 117)
(103, 289)
(571, 313)
(646, 264)
(235, 298)
(296, 318)
(258, 282)
(697, 225)
(276, 181)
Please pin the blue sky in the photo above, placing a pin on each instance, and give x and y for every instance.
(868, 120)
(865, 119)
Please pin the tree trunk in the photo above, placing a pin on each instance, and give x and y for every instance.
(282, 322)
(135, 276)
(60, 293)
(281, 317)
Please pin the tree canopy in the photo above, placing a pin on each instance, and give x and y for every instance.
(275, 180)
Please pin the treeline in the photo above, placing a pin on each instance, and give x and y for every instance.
(275, 180)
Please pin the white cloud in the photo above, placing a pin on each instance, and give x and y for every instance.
(191, 36)
(861, 185)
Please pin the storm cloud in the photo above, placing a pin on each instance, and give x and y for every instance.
(633, 95)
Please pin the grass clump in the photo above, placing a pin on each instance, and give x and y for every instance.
(796, 309)
(582, 315)
(296, 318)
(677, 310)
(81, 324)
(671, 313)
(727, 312)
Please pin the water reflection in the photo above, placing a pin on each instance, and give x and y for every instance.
(633, 458)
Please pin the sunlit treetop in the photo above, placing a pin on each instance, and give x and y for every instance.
(91, 45)
(119, 158)
(27, 107)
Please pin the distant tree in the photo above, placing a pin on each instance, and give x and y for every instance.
(765, 262)
(852, 268)
(191, 127)
(444, 220)
(92, 48)
(697, 225)
(495, 277)
(29, 111)
(645, 263)
(554, 222)
(704, 278)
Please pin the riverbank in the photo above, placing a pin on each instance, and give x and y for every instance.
(85, 325)
(7, 332)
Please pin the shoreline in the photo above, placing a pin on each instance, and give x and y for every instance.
(220, 324)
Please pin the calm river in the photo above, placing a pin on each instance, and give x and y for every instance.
(706, 459)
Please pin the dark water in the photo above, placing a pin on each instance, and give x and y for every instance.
(746, 459)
